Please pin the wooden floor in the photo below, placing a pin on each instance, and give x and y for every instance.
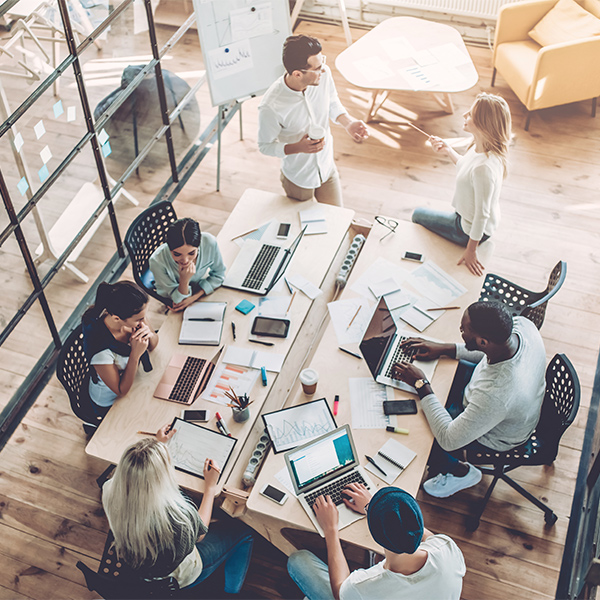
(50, 508)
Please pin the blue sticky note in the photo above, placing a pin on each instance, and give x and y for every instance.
(43, 173)
(106, 149)
(23, 186)
(58, 109)
(245, 306)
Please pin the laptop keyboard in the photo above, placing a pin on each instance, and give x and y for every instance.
(260, 267)
(335, 488)
(400, 355)
(187, 379)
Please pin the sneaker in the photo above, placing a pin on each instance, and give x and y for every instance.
(444, 485)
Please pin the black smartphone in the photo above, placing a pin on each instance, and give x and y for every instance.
(198, 416)
(400, 407)
(413, 256)
(270, 326)
(283, 231)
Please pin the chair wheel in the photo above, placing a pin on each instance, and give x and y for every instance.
(550, 518)
(472, 523)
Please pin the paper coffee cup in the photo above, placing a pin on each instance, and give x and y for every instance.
(316, 132)
(309, 379)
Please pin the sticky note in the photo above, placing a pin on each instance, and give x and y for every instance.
(18, 142)
(23, 186)
(39, 129)
(106, 149)
(103, 137)
(58, 109)
(245, 306)
(71, 113)
(46, 154)
(43, 173)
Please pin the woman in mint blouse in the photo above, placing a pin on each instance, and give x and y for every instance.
(188, 265)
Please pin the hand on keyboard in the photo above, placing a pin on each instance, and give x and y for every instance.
(425, 349)
(407, 372)
(356, 497)
(327, 514)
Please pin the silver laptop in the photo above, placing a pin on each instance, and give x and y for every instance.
(325, 466)
(259, 266)
(381, 349)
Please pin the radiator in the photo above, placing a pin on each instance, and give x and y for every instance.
(481, 9)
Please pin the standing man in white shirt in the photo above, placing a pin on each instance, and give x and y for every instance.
(293, 123)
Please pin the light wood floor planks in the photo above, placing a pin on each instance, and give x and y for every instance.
(50, 508)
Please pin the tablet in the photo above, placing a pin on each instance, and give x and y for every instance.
(192, 444)
(294, 426)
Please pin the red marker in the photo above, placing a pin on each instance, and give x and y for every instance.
(222, 425)
(336, 402)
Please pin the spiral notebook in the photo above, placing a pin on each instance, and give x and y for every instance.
(393, 458)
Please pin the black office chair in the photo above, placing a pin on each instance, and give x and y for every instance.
(73, 371)
(522, 302)
(144, 236)
(559, 408)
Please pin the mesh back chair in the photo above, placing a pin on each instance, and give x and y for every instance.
(73, 371)
(522, 302)
(144, 236)
(559, 409)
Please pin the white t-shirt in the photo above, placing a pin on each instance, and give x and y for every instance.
(100, 393)
(440, 578)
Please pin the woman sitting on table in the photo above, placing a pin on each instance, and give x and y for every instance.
(159, 532)
(478, 180)
(116, 338)
(188, 265)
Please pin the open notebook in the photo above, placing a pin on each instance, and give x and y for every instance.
(203, 323)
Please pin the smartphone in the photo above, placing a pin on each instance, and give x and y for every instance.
(270, 326)
(415, 256)
(272, 493)
(284, 231)
(196, 416)
(400, 407)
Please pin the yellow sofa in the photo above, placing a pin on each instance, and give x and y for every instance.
(546, 76)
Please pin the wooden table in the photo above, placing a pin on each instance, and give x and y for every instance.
(337, 367)
(405, 53)
(139, 410)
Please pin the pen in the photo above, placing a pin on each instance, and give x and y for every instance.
(290, 304)
(419, 130)
(233, 330)
(193, 319)
(147, 433)
(443, 307)
(261, 342)
(336, 402)
(396, 429)
(243, 234)
(263, 374)
(288, 285)
(354, 317)
(222, 425)
(350, 352)
(375, 465)
(211, 466)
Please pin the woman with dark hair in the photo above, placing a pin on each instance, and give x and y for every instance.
(116, 338)
(188, 265)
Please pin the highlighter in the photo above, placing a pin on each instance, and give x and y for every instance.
(263, 374)
(396, 430)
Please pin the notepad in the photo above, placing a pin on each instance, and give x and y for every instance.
(203, 323)
(314, 220)
(254, 358)
(393, 458)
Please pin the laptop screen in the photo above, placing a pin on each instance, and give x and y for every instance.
(321, 458)
(380, 333)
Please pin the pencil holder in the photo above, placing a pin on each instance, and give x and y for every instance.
(241, 415)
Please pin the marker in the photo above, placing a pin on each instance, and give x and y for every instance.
(396, 430)
(375, 465)
(261, 342)
(336, 402)
(211, 466)
(263, 374)
(350, 352)
(222, 425)
(233, 329)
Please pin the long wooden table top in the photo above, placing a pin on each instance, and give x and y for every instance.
(335, 369)
(139, 410)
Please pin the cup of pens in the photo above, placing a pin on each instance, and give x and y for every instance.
(239, 405)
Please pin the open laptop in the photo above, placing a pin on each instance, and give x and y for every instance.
(185, 378)
(259, 265)
(325, 466)
(381, 349)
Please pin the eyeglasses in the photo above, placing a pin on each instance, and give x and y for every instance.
(319, 69)
(389, 223)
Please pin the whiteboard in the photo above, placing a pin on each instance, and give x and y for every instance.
(241, 44)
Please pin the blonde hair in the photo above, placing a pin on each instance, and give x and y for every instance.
(143, 504)
(491, 116)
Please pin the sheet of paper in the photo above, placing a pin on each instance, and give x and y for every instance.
(366, 402)
(256, 359)
(385, 287)
(398, 458)
(241, 379)
(304, 285)
(285, 480)
(443, 75)
(257, 234)
(344, 311)
(450, 54)
(231, 59)
(273, 306)
(419, 317)
(398, 48)
(314, 220)
(416, 78)
(373, 68)
(378, 271)
(251, 21)
(424, 58)
(435, 284)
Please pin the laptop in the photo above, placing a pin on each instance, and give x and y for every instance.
(185, 378)
(380, 347)
(259, 266)
(325, 466)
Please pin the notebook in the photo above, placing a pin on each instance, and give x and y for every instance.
(313, 219)
(203, 323)
(393, 458)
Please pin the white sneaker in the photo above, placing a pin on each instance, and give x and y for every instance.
(442, 486)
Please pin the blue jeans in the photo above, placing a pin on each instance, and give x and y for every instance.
(311, 575)
(445, 224)
(229, 541)
(441, 461)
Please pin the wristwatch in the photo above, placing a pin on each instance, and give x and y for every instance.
(420, 384)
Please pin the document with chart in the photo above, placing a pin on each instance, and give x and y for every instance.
(297, 425)
(192, 444)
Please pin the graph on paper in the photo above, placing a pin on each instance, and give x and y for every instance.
(193, 444)
(297, 425)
